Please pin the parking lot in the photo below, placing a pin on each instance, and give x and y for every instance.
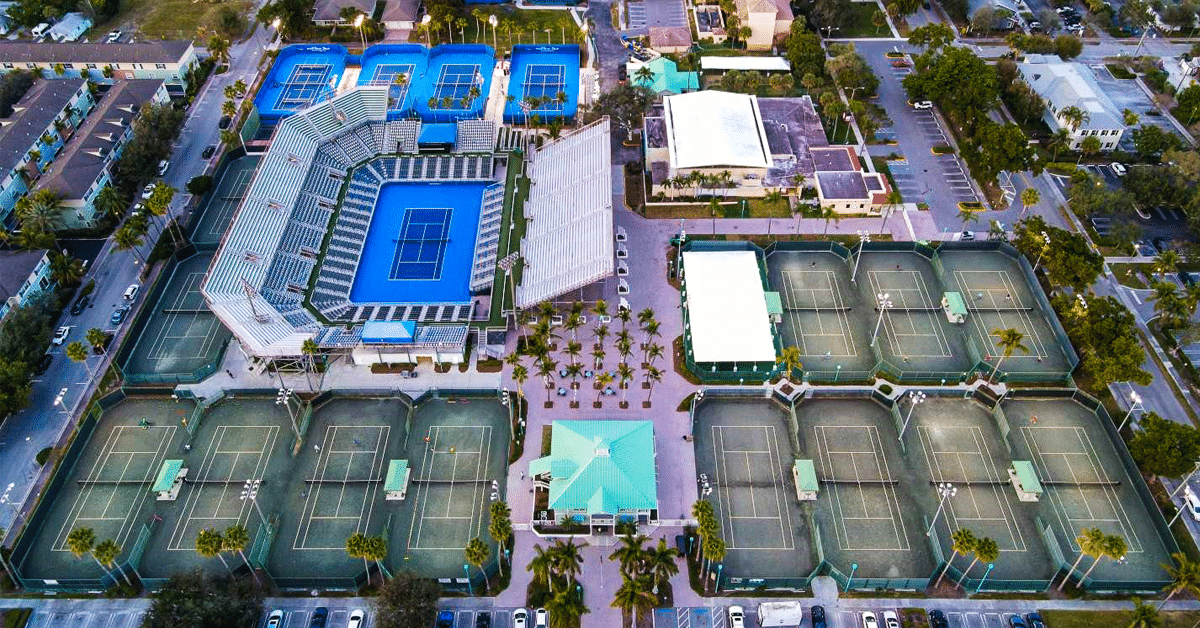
(655, 13)
(87, 619)
(1125, 94)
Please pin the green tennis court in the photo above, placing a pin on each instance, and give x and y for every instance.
(228, 191)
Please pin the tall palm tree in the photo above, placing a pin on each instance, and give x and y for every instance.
(598, 357)
(356, 547)
(1166, 262)
(41, 211)
(1008, 341)
(210, 543)
(218, 47)
(1185, 575)
(77, 353)
(603, 379)
(567, 561)
(81, 542)
(645, 316)
(1058, 141)
(106, 554)
(624, 315)
(653, 352)
(500, 528)
(519, 375)
(630, 553)
(654, 375)
(65, 270)
(987, 550)
(652, 332)
(634, 595)
(127, 239)
(542, 566)
(545, 368)
(1089, 541)
(625, 373)
(565, 608)
(1029, 198)
(644, 75)
(235, 539)
(966, 216)
(573, 350)
(375, 550)
(962, 542)
(109, 202)
(600, 308)
(574, 370)
(97, 338)
(789, 362)
(1074, 116)
(1144, 615)
(714, 551)
(1113, 547)
(309, 349)
(660, 563)
(600, 333)
(827, 213)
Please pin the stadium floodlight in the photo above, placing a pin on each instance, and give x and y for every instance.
(946, 490)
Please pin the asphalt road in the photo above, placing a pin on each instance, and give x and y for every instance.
(41, 423)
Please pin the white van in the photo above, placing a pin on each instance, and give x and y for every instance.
(132, 291)
(39, 31)
(1191, 502)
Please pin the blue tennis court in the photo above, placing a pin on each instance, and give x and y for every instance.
(300, 75)
(456, 80)
(386, 74)
(302, 86)
(421, 246)
(545, 82)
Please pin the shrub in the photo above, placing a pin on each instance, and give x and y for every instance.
(43, 455)
(199, 185)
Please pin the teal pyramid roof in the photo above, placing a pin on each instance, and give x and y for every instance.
(601, 466)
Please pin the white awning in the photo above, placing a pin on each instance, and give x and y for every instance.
(712, 129)
(727, 308)
(761, 64)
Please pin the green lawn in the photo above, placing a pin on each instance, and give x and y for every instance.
(166, 19)
(859, 23)
(1114, 619)
(1129, 275)
(516, 26)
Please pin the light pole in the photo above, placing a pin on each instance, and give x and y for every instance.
(720, 568)
(467, 571)
(284, 398)
(358, 23)
(985, 575)
(425, 23)
(493, 21)
(1182, 483)
(884, 302)
(1046, 240)
(853, 568)
(864, 238)
(250, 492)
(915, 397)
(1137, 405)
(61, 401)
(946, 490)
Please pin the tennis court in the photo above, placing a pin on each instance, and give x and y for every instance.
(744, 450)
(455, 81)
(547, 73)
(458, 456)
(214, 217)
(1086, 485)
(178, 339)
(303, 84)
(389, 74)
(383, 63)
(421, 245)
(998, 297)
(545, 82)
(300, 75)
(819, 314)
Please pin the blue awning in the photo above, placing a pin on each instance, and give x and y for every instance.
(388, 333)
(442, 133)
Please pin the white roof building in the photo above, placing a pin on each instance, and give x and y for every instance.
(759, 64)
(714, 129)
(727, 307)
(1063, 85)
(72, 26)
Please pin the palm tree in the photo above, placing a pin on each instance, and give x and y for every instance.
(500, 528)
(1008, 340)
(788, 362)
(228, 108)
(654, 352)
(1074, 116)
(545, 368)
(77, 353)
(1144, 615)
(962, 542)
(128, 239)
(644, 75)
(236, 539)
(634, 595)
(566, 561)
(574, 370)
(654, 375)
(106, 554)
(714, 551)
(542, 566)
(376, 549)
(598, 356)
(519, 375)
(356, 547)
(603, 380)
(65, 270)
(624, 314)
(97, 338)
(218, 47)
(1185, 575)
(1060, 140)
(210, 543)
(645, 316)
(573, 350)
(1029, 198)
(40, 211)
(109, 202)
(630, 554)
(625, 374)
(966, 216)
(1113, 547)
(660, 563)
(987, 550)
(309, 349)
(1089, 542)
(82, 541)
(652, 332)
(827, 213)
(1166, 262)
(601, 332)
(565, 608)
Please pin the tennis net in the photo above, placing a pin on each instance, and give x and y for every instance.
(441, 481)
(150, 481)
(817, 309)
(1003, 482)
(1014, 308)
(343, 481)
(872, 482)
(184, 310)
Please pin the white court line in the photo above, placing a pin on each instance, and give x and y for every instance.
(899, 296)
(1024, 320)
(420, 508)
(163, 345)
(313, 497)
(826, 455)
(829, 280)
(724, 492)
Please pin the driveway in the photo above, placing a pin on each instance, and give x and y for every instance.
(1127, 94)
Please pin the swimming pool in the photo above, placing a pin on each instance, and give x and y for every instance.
(420, 244)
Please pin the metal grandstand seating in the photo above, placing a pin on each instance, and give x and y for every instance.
(475, 136)
(401, 136)
(487, 243)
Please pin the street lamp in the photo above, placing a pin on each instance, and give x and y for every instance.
(985, 575)
(720, 568)
(884, 301)
(358, 23)
(61, 401)
(915, 397)
(864, 238)
(467, 571)
(1046, 240)
(493, 21)
(853, 568)
(946, 490)
(250, 492)
(1137, 405)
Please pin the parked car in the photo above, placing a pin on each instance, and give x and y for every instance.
(43, 364)
(163, 166)
(890, 620)
(868, 620)
(113, 37)
(275, 619)
(541, 618)
(319, 617)
(1035, 620)
(1118, 169)
(967, 236)
(147, 191)
(520, 618)
(119, 316)
(1015, 621)
(132, 291)
(445, 619)
(356, 618)
(937, 619)
(80, 305)
(208, 151)
(224, 122)
(922, 104)
(737, 617)
(483, 619)
(818, 617)
(60, 336)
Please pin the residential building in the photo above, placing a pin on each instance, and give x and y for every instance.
(766, 19)
(34, 134)
(671, 38)
(84, 167)
(710, 23)
(6, 23)
(667, 78)
(600, 473)
(401, 14)
(329, 12)
(23, 274)
(164, 60)
(71, 27)
(1063, 85)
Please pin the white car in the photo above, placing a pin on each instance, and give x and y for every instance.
(868, 619)
(890, 620)
(923, 104)
(60, 336)
(520, 618)
(737, 617)
(113, 37)
(275, 619)
(163, 166)
(147, 191)
(540, 618)
(1118, 169)
(356, 618)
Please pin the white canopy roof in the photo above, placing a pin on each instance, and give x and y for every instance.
(762, 64)
(727, 308)
(711, 129)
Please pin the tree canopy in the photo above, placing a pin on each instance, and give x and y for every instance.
(196, 599)
(932, 36)
(625, 104)
(995, 148)
(957, 80)
(804, 51)
(13, 86)
(1105, 335)
(1068, 260)
(294, 15)
(406, 601)
(1165, 447)
(154, 131)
